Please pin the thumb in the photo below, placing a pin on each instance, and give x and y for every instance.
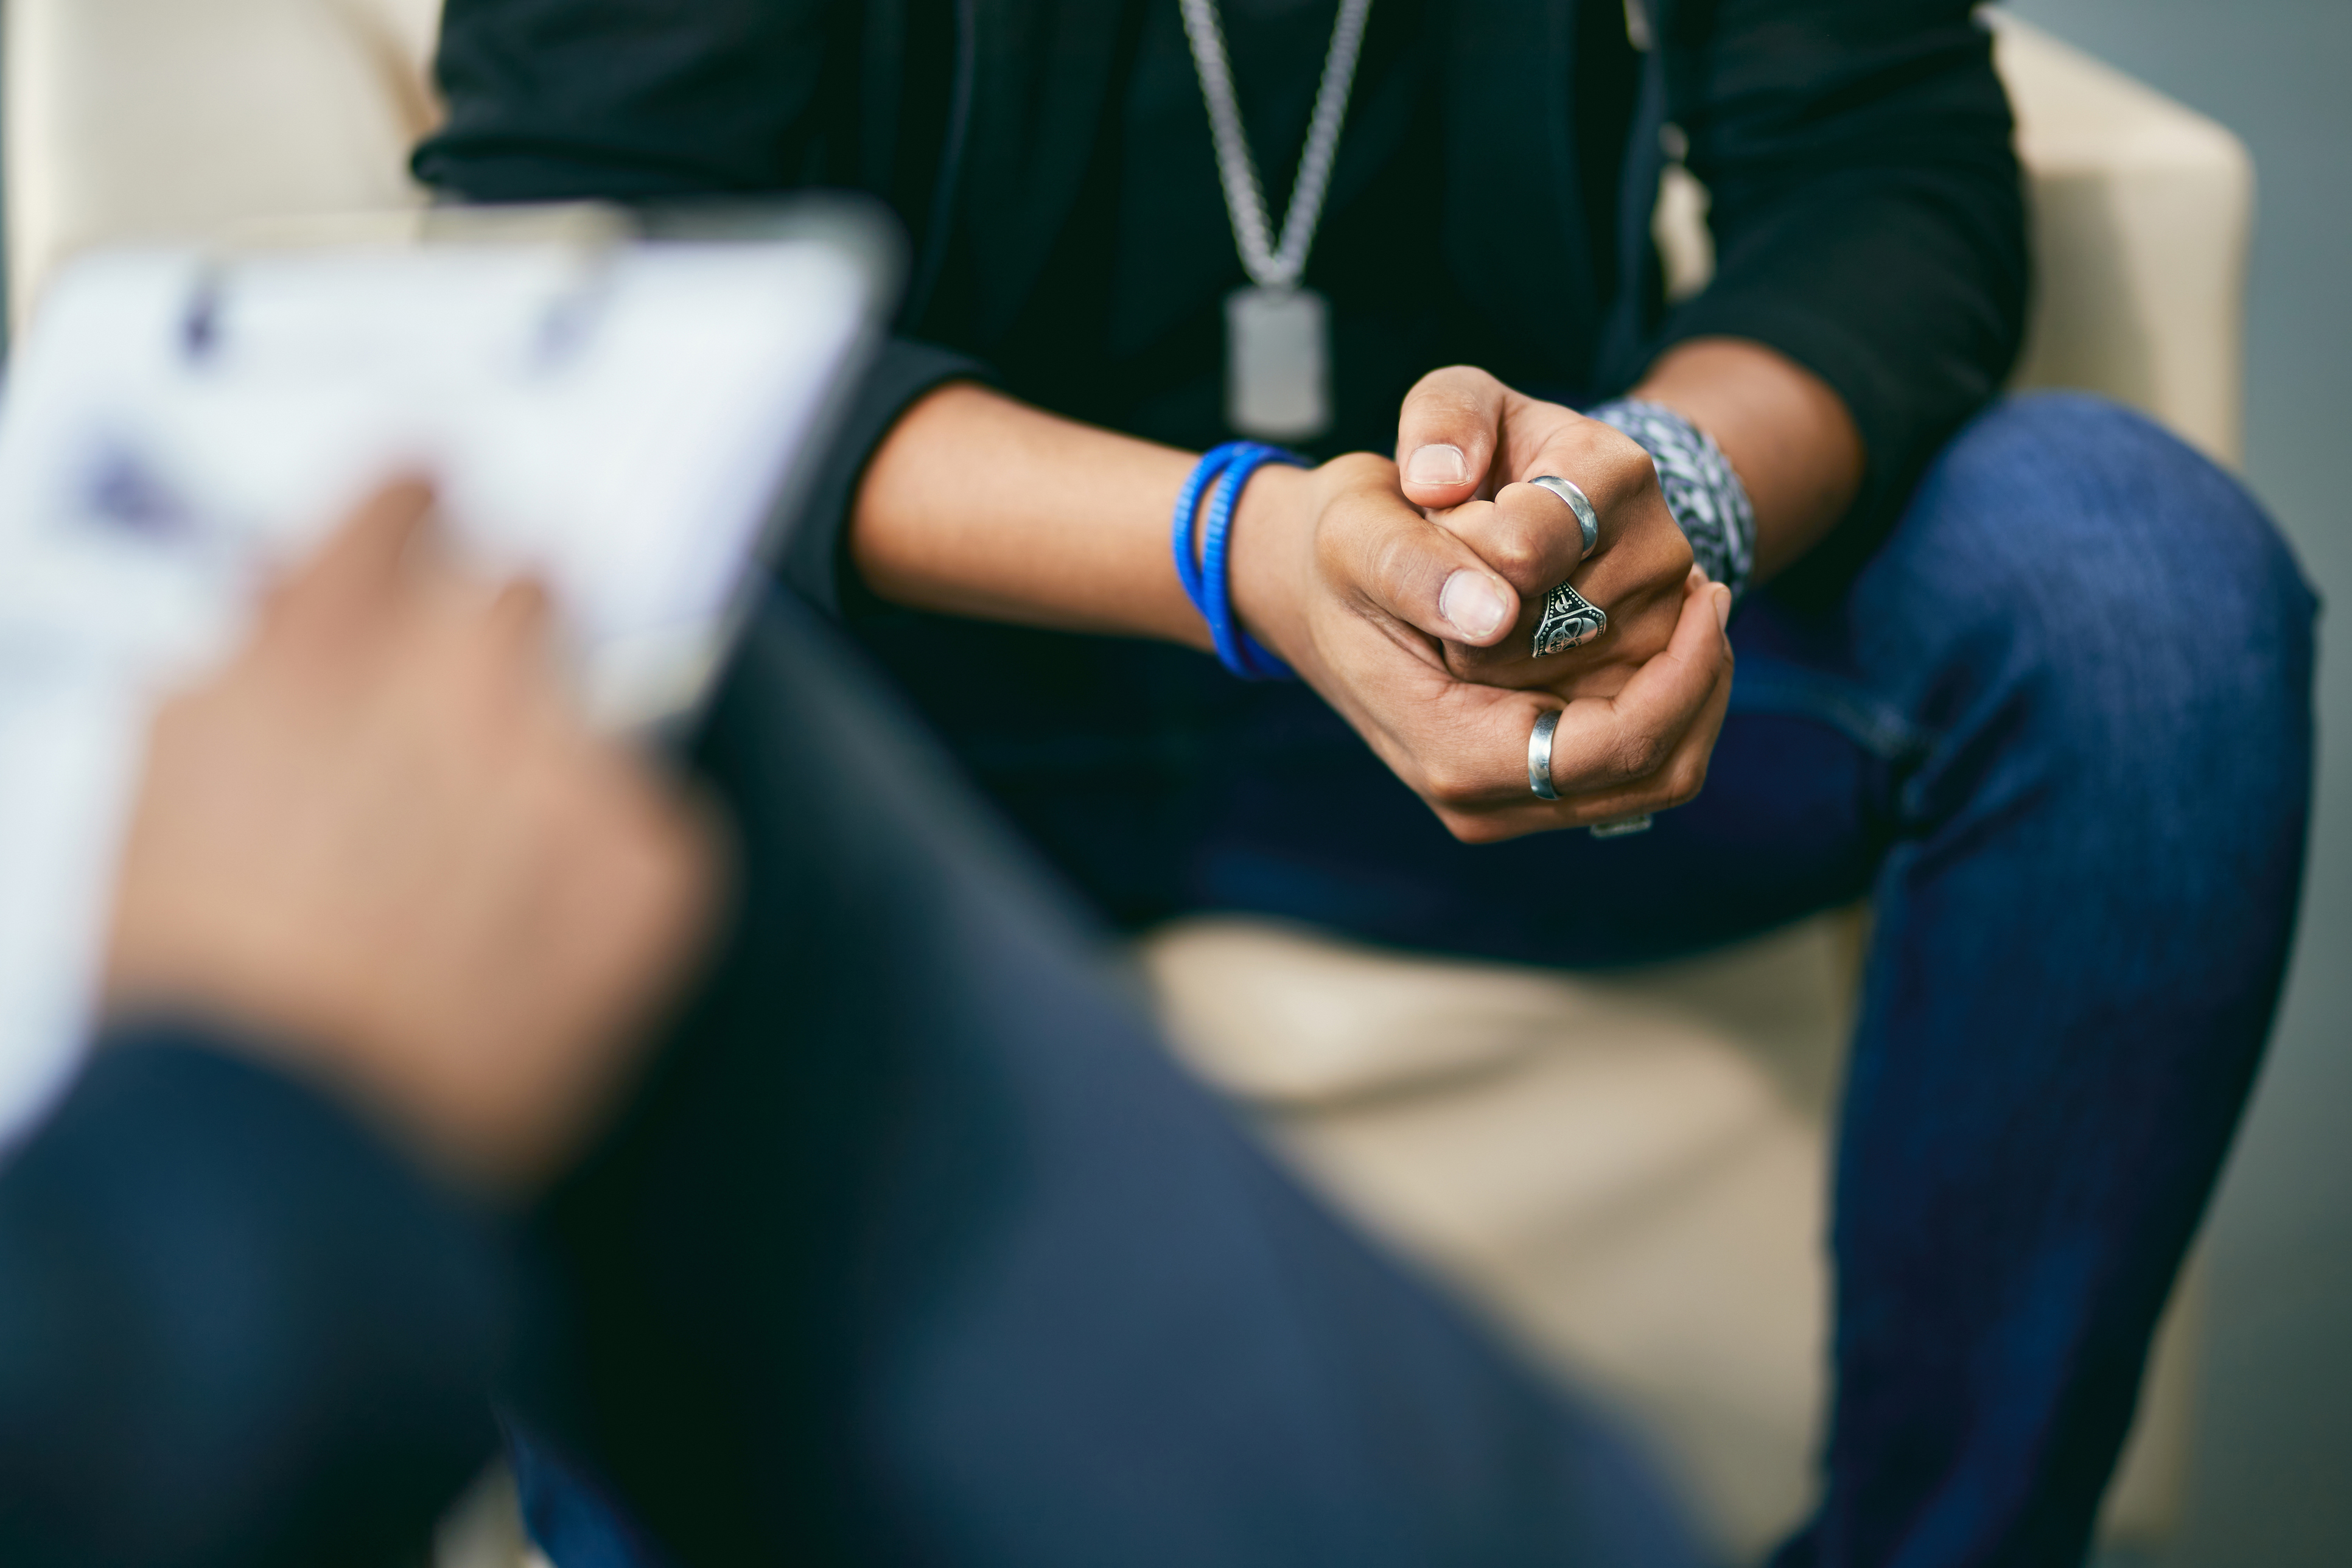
(1446, 435)
(1427, 577)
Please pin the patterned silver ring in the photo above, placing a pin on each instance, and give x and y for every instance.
(1570, 620)
(1588, 522)
(1539, 755)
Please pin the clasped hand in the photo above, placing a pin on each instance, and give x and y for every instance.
(1407, 592)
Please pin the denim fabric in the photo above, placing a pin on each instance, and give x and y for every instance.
(2058, 730)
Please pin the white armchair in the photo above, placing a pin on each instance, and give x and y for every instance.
(1628, 1171)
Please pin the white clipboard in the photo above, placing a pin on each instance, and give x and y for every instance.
(628, 416)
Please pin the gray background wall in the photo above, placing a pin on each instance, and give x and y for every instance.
(2272, 1478)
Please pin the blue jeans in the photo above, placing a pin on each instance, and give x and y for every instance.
(2058, 732)
(919, 1250)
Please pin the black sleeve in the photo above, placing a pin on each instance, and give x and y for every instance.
(1867, 212)
(234, 1329)
(647, 101)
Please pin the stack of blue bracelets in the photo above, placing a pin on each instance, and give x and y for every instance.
(1201, 550)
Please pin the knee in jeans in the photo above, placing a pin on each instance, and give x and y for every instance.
(2106, 542)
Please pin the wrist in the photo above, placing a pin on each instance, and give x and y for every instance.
(1268, 549)
(1702, 491)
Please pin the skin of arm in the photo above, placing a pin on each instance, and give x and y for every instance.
(978, 505)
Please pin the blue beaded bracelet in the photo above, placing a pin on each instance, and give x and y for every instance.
(1200, 543)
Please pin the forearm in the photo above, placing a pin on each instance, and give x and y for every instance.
(1790, 439)
(977, 505)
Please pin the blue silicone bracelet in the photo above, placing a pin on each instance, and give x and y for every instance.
(1187, 542)
(1201, 550)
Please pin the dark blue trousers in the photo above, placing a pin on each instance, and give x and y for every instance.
(916, 1246)
(2058, 732)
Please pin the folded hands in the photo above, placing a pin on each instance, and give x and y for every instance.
(1407, 591)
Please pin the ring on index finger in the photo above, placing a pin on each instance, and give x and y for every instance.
(1588, 522)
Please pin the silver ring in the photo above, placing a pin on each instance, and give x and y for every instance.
(1622, 827)
(1539, 755)
(1570, 620)
(1587, 520)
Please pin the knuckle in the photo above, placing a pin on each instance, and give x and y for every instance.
(1675, 548)
(1516, 551)
(1449, 785)
(1467, 829)
(1447, 794)
(1631, 468)
(1476, 664)
(1685, 779)
(1617, 458)
(1634, 754)
(1620, 471)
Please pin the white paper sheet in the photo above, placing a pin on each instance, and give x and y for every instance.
(618, 421)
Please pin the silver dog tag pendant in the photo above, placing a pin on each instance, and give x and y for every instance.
(1277, 364)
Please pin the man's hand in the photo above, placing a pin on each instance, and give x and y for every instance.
(1357, 592)
(1465, 446)
(383, 844)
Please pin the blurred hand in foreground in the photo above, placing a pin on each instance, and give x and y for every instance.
(382, 844)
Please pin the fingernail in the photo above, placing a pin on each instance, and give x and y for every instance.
(1470, 601)
(1722, 607)
(1436, 465)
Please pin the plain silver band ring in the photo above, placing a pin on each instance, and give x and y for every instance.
(1587, 520)
(1539, 755)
